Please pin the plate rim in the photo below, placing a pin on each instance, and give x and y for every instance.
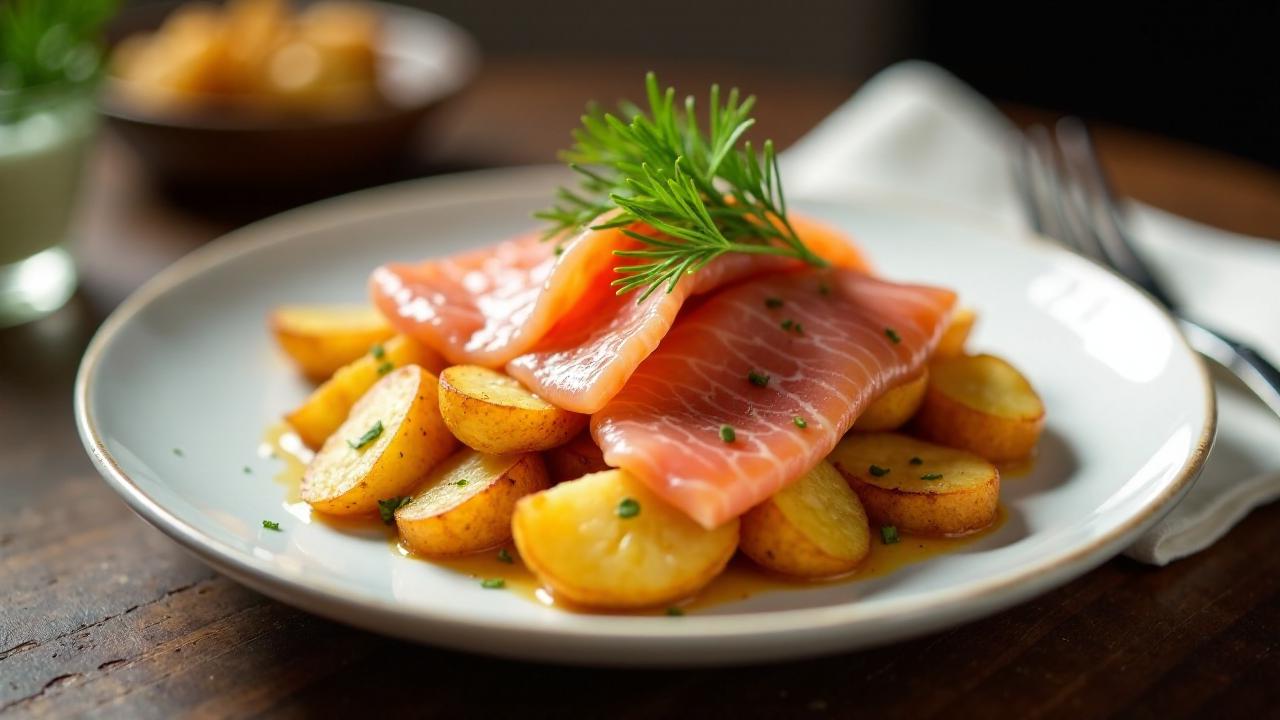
(336, 602)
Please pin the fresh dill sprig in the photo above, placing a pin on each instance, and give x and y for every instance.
(698, 194)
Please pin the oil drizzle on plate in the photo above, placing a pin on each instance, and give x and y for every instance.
(739, 581)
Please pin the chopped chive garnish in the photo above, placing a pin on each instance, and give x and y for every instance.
(800, 422)
(889, 534)
(377, 351)
(369, 436)
(788, 324)
(727, 434)
(462, 483)
(178, 452)
(758, 379)
(893, 335)
(628, 508)
(387, 508)
(878, 471)
(931, 476)
(248, 470)
(271, 525)
(385, 367)
(916, 461)
(674, 611)
(504, 556)
(792, 326)
(773, 303)
(559, 250)
(493, 583)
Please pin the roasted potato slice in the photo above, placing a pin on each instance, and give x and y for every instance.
(322, 338)
(606, 541)
(328, 405)
(893, 409)
(814, 527)
(919, 487)
(580, 456)
(982, 404)
(493, 413)
(956, 334)
(466, 504)
(393, 437)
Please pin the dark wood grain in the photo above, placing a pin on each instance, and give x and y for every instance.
(101, 615)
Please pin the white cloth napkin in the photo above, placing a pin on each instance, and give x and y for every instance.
(916, 129)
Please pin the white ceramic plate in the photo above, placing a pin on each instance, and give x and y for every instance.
(187, 363)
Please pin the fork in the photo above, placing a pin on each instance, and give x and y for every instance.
(1066, 197)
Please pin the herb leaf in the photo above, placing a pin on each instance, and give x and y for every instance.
(369, 436)
(387, 508)
(889, 535)
(878, 471)
(893, 335)
(727, 433)
(758, 379)
(628, 508)
(701, 192)
(931, 476)
(493, 583)
(800, 422)
(271, 525)
(504, 556)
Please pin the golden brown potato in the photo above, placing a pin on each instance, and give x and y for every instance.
(893, 409)
(393, 437)
(323, 338)
(580, 456)
(495, 414)
(814, 527)
(466, 504)
(606, 541)
(328, 405)
(956, 335)
(919, 487)
(982, 404)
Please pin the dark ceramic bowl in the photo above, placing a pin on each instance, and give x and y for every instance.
(423, 60)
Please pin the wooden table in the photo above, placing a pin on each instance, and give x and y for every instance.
(102, 615)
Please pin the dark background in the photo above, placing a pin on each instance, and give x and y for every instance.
(1199, 71)
(1204, 72)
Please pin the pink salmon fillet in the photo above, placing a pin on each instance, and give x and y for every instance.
(554, 321)
(665, 424)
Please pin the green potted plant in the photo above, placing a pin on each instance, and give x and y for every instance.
(50, 60)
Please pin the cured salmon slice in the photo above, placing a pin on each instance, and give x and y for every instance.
(555, 321)
(813, 345)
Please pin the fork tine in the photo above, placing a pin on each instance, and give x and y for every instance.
(1100, 209)
(1057, 213)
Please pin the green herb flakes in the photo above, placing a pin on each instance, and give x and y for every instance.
(369, 436)
(387, 508)
(628, 508)
(889, 535)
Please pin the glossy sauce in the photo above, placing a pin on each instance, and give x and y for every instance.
(739, 581)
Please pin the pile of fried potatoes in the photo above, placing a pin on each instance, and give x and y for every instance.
(255, 53)
(464, 459)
